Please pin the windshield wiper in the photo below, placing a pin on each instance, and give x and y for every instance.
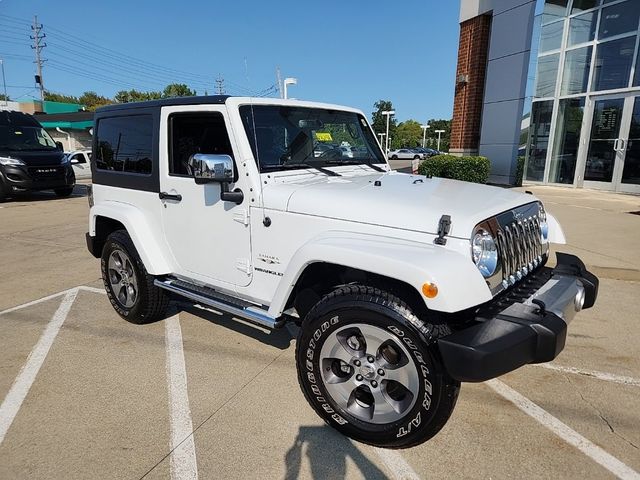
(355, 162)
(305, 165)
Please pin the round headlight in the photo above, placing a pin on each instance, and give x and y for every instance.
(484, 252)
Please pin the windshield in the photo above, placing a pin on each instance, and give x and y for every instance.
(297, 137)
(25, 138)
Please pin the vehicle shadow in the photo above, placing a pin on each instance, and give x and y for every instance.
(80, 190)
(327, 452)
(279, 338)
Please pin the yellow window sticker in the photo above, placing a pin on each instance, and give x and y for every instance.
(324, 137)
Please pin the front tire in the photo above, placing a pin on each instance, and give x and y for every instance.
(63, 192)
(129, 287)
(366, 369)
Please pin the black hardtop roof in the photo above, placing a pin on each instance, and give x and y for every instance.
(18, 119)
(164, 102)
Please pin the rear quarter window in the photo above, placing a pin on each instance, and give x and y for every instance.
(125, 144)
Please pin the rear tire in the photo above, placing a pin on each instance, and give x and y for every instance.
(129, 287)
(63, 192)
(394, 157)
(366, 368)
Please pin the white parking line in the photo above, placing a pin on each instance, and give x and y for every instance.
(396, 464)
(609, 377)
(597, 454)
(183, 450)
(39, 300)
(21, 385)
(93, 289)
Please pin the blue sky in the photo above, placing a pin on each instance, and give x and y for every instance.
(351, 52)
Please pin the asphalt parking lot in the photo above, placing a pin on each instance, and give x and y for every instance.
(87, 395)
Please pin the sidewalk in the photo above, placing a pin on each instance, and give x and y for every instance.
(598, 227)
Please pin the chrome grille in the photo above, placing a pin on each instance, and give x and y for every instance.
(520, 247)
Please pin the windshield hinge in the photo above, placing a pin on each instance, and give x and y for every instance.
(444, 225)
(242, 216)
(244, 265)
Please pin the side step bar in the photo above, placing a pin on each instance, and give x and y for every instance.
(219, 301)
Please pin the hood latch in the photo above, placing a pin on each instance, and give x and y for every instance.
(444, 225)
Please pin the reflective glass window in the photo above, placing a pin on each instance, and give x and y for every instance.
(613, 64)
(566, 141)
(631, 172)
(620, 18)
(551, 36)
(636, 80)
(553, 10)
(582, 28)
(546, 75)
(539, 130)
(576, 71)
(605, 131)
(125, 144)
(581, 5)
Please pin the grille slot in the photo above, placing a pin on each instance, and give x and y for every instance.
(520, 248)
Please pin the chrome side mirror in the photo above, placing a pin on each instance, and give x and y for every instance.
(208, 168)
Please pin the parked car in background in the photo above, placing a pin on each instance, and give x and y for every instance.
(80, 160)
(427, 152)
(405, 154)
(30, 159)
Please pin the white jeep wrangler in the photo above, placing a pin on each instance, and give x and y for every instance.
(403, 285)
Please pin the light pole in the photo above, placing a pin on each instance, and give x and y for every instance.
(289, 81)
(424, 133)
(381, 135)
(439, 132)
(4, 83)
(388, 114)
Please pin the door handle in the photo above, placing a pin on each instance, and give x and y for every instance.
(615, 145)
(168, 196)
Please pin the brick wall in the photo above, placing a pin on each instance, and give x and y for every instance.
(467, 105)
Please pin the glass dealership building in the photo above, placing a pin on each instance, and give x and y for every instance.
(559, 86)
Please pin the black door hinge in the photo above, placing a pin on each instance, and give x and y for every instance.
(444, 225)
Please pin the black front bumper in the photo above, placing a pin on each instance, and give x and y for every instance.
(16, 179)
(526, 325)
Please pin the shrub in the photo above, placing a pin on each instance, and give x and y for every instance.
(468, 169)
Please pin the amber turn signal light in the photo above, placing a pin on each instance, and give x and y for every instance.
(429, 290)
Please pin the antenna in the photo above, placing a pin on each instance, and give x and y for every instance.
(255, 142)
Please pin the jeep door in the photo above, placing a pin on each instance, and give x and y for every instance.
(209, 238)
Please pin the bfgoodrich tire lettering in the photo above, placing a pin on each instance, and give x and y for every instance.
(413, 419)
(149, 302)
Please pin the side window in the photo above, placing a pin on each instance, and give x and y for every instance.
(78, 158)
(124, 144)
(196, 133)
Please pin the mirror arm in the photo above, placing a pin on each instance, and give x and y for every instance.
(226, 196)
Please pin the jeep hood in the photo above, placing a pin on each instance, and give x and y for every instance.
(408, 202)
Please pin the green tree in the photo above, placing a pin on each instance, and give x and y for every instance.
(91, 100)
(177, 90)
(128, 96)
(379, 121)
(408, 134)
(432, 136)
(4, 98)
(60, 97)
